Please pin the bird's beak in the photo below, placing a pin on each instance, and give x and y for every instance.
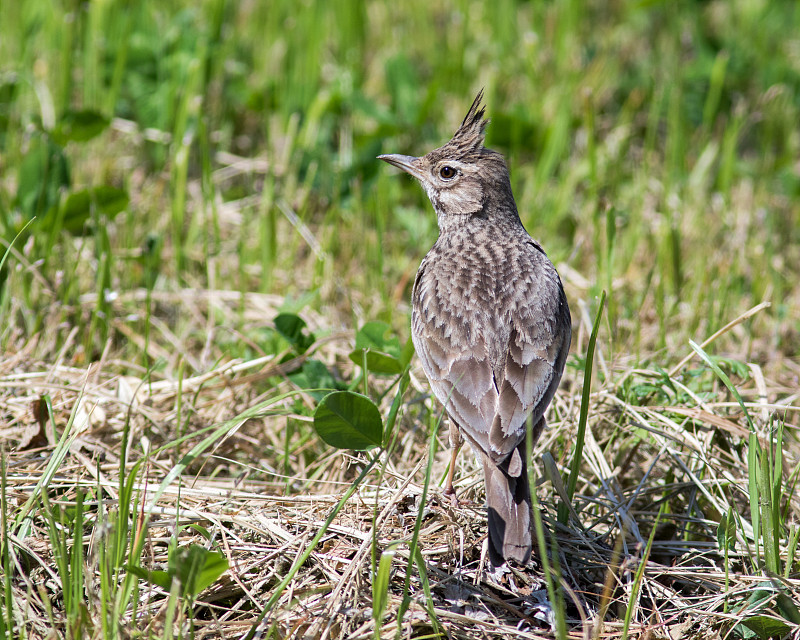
(406, 163)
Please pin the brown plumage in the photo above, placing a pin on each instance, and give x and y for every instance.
(490, 323)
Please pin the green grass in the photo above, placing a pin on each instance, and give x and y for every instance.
(173, 176)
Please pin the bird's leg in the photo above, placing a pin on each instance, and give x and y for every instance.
(455, 445)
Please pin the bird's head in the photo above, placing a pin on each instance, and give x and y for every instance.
(462, 177)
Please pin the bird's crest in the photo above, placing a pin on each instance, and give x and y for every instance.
(468, 140)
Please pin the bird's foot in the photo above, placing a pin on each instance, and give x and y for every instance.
(455, 501)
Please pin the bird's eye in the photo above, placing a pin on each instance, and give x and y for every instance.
(447, 172)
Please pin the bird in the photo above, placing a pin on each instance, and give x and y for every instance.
(490, 323)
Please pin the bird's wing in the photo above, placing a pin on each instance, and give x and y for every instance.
(493, 373)
(529, 381)
(537, 347)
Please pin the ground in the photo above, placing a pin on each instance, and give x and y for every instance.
(200, 244)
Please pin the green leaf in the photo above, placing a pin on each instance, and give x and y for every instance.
(770, 537)
(9, 91)
(109, 200)
(726, 532)
(787, 608)
(150, 258)
(314, 375)
(765, 627)
(378, 335)
(293, 328)
(377, 362)
(195, 567)
(736, 367)
(577, 453)
(382, 347)
(199, 529)
(198, 568)
(159, 578)
(407, 353)
(419, 560)
(11, 244)
(380, 586)
(348, 420)
(43, 173)
(80, 126)
(77, 208)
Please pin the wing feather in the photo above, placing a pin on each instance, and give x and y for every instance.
(494, 366)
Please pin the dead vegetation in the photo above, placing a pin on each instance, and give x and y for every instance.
(655, 480)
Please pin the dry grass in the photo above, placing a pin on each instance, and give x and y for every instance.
(637, 457)
(653, 149)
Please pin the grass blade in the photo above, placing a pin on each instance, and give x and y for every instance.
(637, 579)
(380, 588)
(577, 454)
(23, 521)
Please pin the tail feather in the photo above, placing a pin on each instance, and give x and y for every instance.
(508, 499)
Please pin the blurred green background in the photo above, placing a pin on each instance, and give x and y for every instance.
(654, 151)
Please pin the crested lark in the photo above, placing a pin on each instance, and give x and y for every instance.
(490, 323)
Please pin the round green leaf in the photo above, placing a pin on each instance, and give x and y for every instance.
(293, 328)
(382, 349)
(377, 362)
(348, 420)
(378, 336)
(80, 126)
